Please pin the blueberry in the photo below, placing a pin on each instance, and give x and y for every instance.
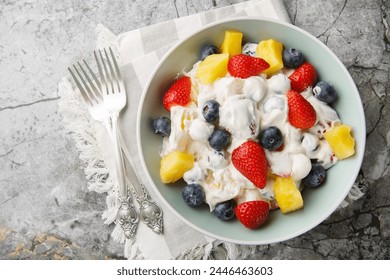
(162, 126)
(292, 58)
(208, 50)
(210, 111)
(315, 177)
(325, 92)
(219, 139)
(193, 195)
(225, 210)
(271, 138)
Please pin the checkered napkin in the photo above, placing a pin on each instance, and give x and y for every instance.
(140, 51)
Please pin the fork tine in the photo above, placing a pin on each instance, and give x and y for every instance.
(106, 74)
(92, 89)
(82, 91)
(112, 76)
(98, 86)
(118, 72)
(89, 91)
(101, 74)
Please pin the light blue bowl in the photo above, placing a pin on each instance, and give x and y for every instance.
(319, 203)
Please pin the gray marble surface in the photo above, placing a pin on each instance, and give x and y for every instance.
(46, 211)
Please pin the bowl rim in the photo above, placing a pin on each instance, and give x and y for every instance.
(296, 233)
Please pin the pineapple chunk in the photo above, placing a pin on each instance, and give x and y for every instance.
(341, 141)
(232, 42)
(212, 68)
(271, 51)
(287, 195)
(174, 165)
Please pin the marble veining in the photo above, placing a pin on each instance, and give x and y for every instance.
(46, 211)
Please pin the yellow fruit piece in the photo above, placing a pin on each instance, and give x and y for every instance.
(174, 165)
(232, 42)
(341, 141)
(271, 51)
(287, 195)
(212, 68)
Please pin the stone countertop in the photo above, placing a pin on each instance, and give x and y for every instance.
(46, 211)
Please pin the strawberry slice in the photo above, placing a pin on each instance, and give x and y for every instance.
(250, 160)
(244, 66)
(301, 113)
(303, 77)
(178, 94)
(252, 214)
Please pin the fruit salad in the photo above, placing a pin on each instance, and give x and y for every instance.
(250, 126)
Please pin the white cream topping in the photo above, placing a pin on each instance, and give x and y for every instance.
(246, 107)
(217, 160)
(200, 130)
(310, 142)
(196, 175)
(227, 87)
(301, 166)
(274, 102)
(279, 84)
(255, 88)
(240, 117)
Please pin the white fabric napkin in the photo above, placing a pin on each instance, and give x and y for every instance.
(140, 50)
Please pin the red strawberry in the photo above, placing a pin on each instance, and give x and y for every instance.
(252, 214)
(243, 66)
(250, 160)
(178, 94)
(303, 77)
(301, 113)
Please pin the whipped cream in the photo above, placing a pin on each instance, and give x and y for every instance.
(240, 117)
(246, 107)
(279, 84)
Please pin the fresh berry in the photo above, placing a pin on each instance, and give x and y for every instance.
(193, 195)
(178, 94)
(219, 139)
(315, 177)
(303, 77)
(210, 111)
(252, 214)
(162, 126)
(208, 50)
(301, 113)
(271, 138)
(292, 58)
(325, 92)
(244, 66)
(249, 49)
(225, 210)
(250, 160)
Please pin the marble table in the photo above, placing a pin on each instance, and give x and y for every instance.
(46, 211)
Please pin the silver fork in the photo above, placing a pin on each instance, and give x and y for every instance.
(150, 213)
(91, 93)
(114, 96)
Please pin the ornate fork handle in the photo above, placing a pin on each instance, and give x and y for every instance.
(127, 216)
(150, 213)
